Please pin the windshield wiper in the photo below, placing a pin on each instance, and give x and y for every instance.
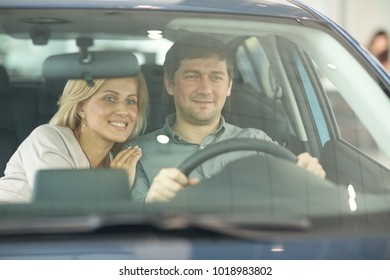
(238, 226)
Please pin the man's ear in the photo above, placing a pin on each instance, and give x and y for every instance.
(229, 91)
(167, 84)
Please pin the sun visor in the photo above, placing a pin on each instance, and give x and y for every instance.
(103, 64)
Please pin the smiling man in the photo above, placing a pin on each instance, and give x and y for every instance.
(199, 75)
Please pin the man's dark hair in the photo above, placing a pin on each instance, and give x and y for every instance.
(193, 47)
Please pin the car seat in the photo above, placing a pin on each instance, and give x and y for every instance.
(47, 100)
(8, 137)
(154, 76)
(6, 119)
(8, 145)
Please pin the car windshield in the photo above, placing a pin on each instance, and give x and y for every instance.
(297, 80)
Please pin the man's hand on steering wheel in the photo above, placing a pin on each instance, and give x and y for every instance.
(311, 164)
(168, 182)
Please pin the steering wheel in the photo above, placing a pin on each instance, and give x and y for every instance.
(231, 145)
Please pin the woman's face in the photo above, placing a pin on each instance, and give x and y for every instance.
(111, 113)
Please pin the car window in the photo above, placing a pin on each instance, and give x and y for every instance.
(341, 119)
(350, 128)
(249, 56)
(255, 70)
(312, 100)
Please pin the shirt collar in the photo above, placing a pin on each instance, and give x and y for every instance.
(170, 121)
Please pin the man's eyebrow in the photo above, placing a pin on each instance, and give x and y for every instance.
(191, 71)
(219, 72)
(197, 72)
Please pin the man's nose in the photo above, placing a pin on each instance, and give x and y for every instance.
(204, 85)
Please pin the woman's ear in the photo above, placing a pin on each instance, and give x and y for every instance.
(80, 110)
(81, 114)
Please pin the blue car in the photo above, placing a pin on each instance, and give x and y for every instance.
(298, 77)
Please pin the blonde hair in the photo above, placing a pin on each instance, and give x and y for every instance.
(77, 91)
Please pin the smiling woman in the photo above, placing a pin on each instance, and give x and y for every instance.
(109, 115)
(90, 121)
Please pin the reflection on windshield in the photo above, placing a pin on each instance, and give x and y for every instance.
(24, 60)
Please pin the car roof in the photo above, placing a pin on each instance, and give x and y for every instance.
(278, 8)
(18, 18)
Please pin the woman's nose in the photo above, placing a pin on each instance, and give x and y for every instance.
(122, 109)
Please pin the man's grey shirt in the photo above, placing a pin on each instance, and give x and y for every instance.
(164, 148)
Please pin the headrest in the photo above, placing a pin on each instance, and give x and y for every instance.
(153, 72)
(104, 64)
(4, 81)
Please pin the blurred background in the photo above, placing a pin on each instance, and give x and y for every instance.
(360, 18)
(366, 20)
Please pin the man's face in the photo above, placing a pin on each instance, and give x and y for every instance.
(200, 89)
